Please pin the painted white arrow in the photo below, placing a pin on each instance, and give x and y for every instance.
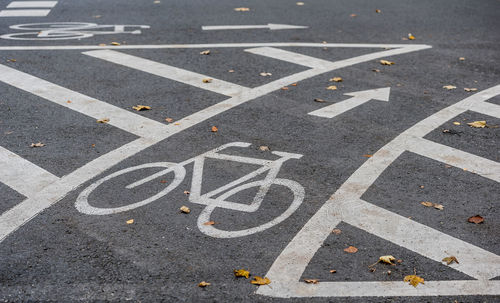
(270, 26)
(358, 98)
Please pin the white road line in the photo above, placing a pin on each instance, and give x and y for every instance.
(452, 156)
(489, 109)
(118, 117)
(24, 13)
(29, 208)
(25, 4)
(21, 175)
(291, 57)
(169, 72)
(346, 203)
(270, 26)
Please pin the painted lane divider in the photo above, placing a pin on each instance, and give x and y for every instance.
(28, 9)
(358, 98)
(270, 26)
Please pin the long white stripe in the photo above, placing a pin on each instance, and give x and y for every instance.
(22, 175)
(21, 4)
(24, 13)
(288, 56)
(489, 109)
(29, 208)
(118, 117)
(169, 72)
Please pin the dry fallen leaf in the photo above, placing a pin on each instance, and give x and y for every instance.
(351, 249)
(387, 259)
(430, 204)
(214, 129)
(449, 87)
(385, 62)
(376, 70)
(456, 123)
(477, 124)
(103, 120)
(231, 71)
(336, 79)
(169, 120)
(156, 2)
(332, 87)
(69, 101)
(260, 281)
(300, 3)
(130, 221)
(141, 107)
(242, 9)
(411, 37)
(205, 52)
(115, 43)
(450, 260)
(332, 271)
(203, 284)
(39, 144)
(206, 80)
(319, 100)
(264, 148)
(311, 281)
(461, 58)
(241, 273)
(209, 223)
(185, 209)
(367, 156)
(378, 11)
(414, 280)
(353, 15)
(477, 219)
(186, 192)
(11, 60)
(265, 74)
(293, 84)
(336, 231)
(470, 89)
(163, 181)
(284, 88)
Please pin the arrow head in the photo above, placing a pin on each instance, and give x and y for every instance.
(381, 94)
(273, 26)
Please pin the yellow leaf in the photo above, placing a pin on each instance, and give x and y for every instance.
(385, 62)
(206, 80)
(300, 3)
(169, 120)
(336, 79)
(430, 204)
(241, 273)
(242, 9)
(470, 89)
(141, 107)
(387, 259)
(477, 124)
(185, 209)
(312, 281)
(205, 52)
(130, 221)
(414, 280)
(456, 123)
(103, 120)
(203, 284)
(260, 281)
(215, 129)
(450, 260)
(332, 87)
(264, 148)
(411, 37)
(449, 87)
(115, 43)
(39, 144)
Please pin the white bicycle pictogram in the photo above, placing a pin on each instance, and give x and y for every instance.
(272, 167)
(69, 30)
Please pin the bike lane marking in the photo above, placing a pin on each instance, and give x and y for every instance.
(23, 212)
(24, 13)
(32, 4)
(22, 175)
(291, 57)
(346, 205)
(169, 72)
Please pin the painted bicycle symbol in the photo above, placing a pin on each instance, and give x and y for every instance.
(69, 30)
(272, 167)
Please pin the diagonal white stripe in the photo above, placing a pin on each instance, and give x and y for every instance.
(291, 57)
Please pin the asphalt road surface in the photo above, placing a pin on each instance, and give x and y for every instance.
(295, 140)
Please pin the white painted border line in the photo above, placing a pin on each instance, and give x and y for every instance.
(24, 13)
(24, 4)
(21, 175)
(22, 213)
(169, 72)
(490, 109)
(118, 117)
(288, 56)
(408, 47)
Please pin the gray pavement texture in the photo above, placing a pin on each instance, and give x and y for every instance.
(65, 255)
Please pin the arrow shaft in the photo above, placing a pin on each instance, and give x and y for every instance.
(226, 27)
(340, 107)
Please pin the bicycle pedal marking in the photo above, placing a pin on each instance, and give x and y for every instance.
(268, 167)
(346, 204)
(69, 30)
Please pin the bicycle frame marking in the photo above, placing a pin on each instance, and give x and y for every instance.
(272, 168)
(68, 30)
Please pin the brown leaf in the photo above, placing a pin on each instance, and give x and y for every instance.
(332, 271)
(477, 219)
(367, 156)
(414, 280)
(411, 37)
(214, 129)
(293, 84)
(351, 249)
(207, 80)
(461, 58)
(430, 204)
(470, 89)
(241, 273)
(131, 221)
(477, 124)
(311, 281)
(242, 9)
(450, 260)
(264, 148)
(376, 70)
(186, 192)
(385, 62)
(231, 71)
(69, 101)
(336, 231)
(203, 284)
(103, 120)
(353, 15)
(210, 223)
(141, 107)
(284, 88)
(378, 11)
(319, 100)
(332, 87)
(260, 281)
(163, 181)
(169, 120)
(336, 79)
(39, 144)
(205, 52)
(185, 209)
